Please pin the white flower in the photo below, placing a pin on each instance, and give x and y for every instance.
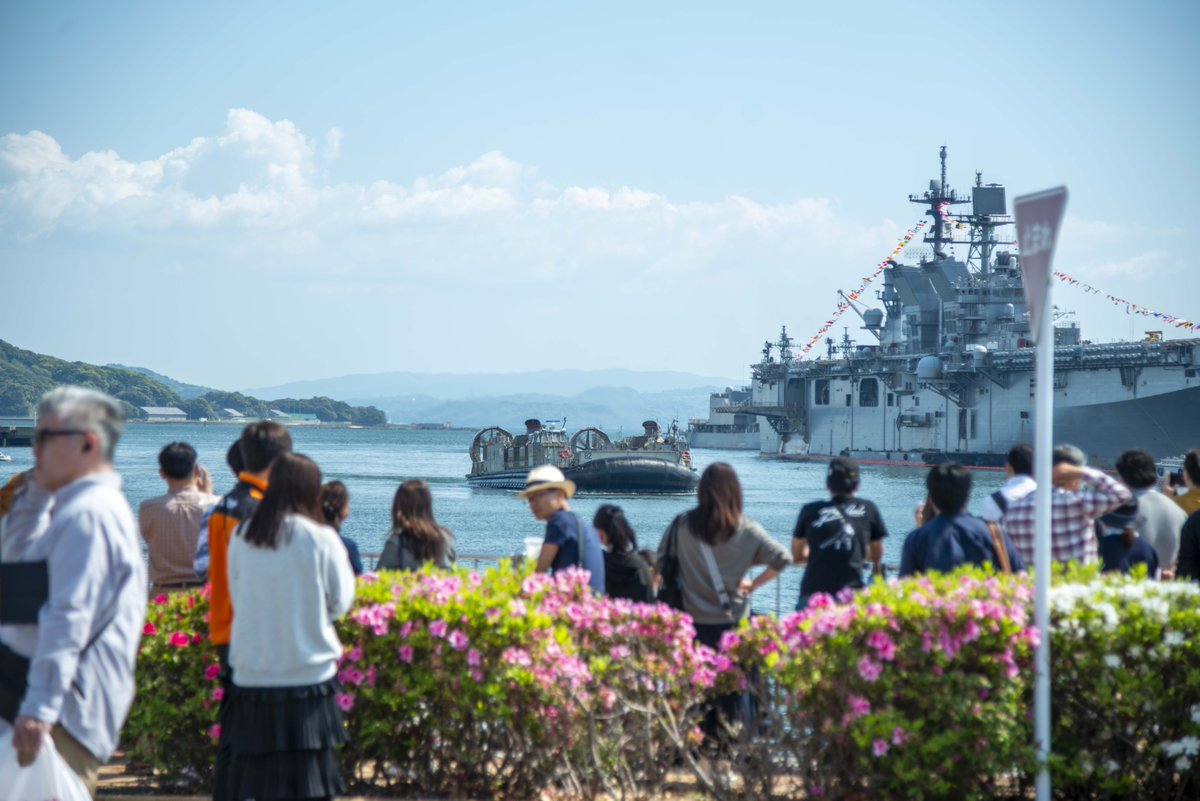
(1173, 638)
(1183, 764)
(1196, 714)
(1112, 661)
(1188, 746)
(1111, 766)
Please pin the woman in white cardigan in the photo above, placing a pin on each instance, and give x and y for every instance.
(289, 580)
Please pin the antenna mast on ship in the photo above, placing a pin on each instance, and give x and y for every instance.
(939, 193)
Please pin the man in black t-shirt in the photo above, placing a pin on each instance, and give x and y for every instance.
(836, 538)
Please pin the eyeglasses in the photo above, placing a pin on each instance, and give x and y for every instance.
(41, 435)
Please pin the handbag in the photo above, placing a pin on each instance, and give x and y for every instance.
(24, 588)
(670, 590)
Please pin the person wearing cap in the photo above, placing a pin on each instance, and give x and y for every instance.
(569, 541)
(835, 538)
(1120, 547)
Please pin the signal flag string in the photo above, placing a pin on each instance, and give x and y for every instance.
(909, 235)
(1130, 308)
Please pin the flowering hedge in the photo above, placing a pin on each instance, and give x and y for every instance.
(913, 689)
(494, 684)
(172, 726)
(1126, 689)
(507, 684)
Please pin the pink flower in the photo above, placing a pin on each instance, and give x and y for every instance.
(214, 731)
(517, 656)
(179, 639)
(405, 653)
(459, 641)
(879, 747)
(160, 599)
(899, 737)
(859, 706)
(149, 630)
(437, 628)
(355, 653)
(345, 701)
(869, 670)
(473, 658)
(212, 671)
(218, 693)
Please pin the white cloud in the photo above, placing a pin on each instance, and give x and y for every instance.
(622, 265)
(333, 144)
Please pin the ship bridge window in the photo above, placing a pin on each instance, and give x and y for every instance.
(868, 392)
(821, 392)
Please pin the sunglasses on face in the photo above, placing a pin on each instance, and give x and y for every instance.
(42, 435)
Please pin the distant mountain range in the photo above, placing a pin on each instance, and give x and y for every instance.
(25, 376)
(476, 385)
(611, 399)
(185, 391)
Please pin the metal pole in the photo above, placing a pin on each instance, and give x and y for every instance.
(1043, 444)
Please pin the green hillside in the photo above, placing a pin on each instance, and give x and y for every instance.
(25, 376)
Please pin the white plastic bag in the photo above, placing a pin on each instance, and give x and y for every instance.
(49, 778)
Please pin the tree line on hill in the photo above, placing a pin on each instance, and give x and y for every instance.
(25, 376)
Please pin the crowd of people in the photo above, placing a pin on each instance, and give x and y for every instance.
(75, 584)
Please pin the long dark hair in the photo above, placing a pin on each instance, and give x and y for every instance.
(412, 521)
(718, 504)
(611, 520)
(334, 497)
(294, 488)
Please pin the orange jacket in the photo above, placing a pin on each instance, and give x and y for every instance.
(229, 513)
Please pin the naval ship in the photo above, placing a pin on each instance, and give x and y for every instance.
(727, 427)
(944, 368)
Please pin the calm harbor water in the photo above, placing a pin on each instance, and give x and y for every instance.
(373, 462)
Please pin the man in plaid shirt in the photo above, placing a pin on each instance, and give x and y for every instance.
(1080, 495)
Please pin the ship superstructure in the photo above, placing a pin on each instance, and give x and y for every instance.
(943, 369)
(727, 427)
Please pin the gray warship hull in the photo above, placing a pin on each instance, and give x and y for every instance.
(949, 370)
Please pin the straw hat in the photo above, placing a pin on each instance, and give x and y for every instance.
(546, 477)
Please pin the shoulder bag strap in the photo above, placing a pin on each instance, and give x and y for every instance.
(714, 574)
(998, 547)
(1000, 501)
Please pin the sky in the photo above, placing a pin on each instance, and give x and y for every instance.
(243, 194)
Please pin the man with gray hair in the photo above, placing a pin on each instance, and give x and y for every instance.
(1080, 495)
(79, 649)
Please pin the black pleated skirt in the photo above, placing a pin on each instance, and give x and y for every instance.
(281, 741)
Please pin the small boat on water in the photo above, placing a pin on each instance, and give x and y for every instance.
(4, 457)
(654, 462)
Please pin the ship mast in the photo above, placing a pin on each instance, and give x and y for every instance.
(939, 193)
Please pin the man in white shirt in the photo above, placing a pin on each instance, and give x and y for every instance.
(1018, 482)
(81, 651)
